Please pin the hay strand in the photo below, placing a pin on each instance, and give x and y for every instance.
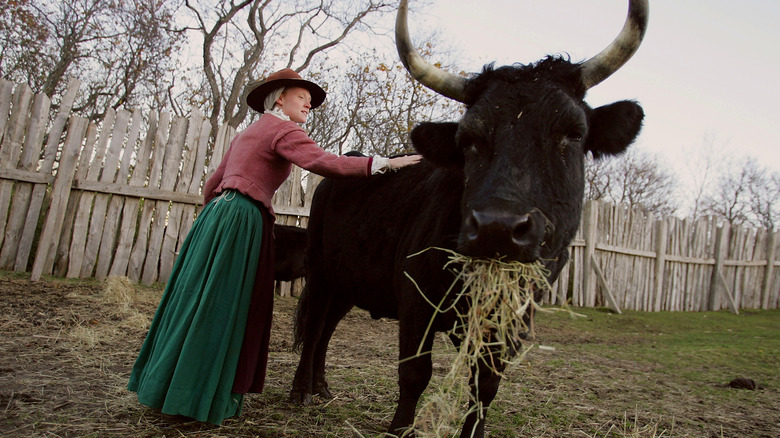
(491, 306)
(120, 290)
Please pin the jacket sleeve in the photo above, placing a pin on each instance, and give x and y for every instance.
(209, 189)
(298, 148)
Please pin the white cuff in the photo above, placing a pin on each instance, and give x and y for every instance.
(380, 165)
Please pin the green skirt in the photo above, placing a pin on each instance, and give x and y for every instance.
(188, 361)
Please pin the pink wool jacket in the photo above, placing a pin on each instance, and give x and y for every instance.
(260, 158)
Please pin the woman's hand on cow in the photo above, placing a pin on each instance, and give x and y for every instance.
(406, 160)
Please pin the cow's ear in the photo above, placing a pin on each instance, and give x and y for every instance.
(613, 128)
(436, 142)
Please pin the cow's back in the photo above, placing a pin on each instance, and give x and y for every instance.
(362, 230)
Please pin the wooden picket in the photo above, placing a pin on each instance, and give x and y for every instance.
(38, 195)
(6, 91)
(66, 170)
(108, 236)
(170, 166)
(118, 196)
(187, 157)
(78, 248)
(130, 209)
(139, 252)
(11, 149)
(22, 198)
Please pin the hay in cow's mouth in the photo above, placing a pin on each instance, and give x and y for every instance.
(495, 306)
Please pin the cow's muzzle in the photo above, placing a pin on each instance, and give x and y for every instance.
(497, 234)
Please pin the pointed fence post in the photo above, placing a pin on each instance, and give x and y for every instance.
(39, 190)
(47, 245)
(11, 147)
(719, 285)
(766, 285)
(661, 231)
(590, 223)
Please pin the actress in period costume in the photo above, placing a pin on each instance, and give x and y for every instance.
(208, 342)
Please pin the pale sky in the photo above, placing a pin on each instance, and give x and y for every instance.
(706, 71)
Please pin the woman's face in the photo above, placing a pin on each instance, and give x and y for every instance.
(295, 103)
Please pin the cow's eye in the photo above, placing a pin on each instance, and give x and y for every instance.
(568, 141)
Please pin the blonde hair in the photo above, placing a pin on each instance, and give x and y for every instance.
(271, 99)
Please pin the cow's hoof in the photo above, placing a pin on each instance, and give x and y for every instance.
(300, 398)
(324, 392)
(406, 432)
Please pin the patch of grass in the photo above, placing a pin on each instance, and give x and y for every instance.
(707, 347)
(666, 372)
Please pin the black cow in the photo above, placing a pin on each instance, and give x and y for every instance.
(505, 181)
(290, 252)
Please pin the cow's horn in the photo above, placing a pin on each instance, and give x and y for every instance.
(601, 66)
(438, 80)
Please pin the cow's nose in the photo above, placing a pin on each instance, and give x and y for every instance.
(496, 234)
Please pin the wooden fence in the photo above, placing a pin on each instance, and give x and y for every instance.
(628, 259)
(82, 199)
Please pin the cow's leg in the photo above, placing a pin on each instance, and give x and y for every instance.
(414, 372)
(302, 387)
(310, 321)
(336, 312)
(484, 390)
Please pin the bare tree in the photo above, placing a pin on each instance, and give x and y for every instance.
(636, 179)
(703, 166)
(765, 198)
(22, 38)
(76, 30)
(599, 174)
(138, 59)
(244, 41)
(730, 199)
(746, 193)
(122, 51)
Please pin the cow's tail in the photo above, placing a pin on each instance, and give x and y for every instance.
(302, 313)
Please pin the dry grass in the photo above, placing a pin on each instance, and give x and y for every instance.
(122, 298)
(68, 346)
(494, 307)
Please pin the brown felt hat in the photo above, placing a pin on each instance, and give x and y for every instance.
(283, 78)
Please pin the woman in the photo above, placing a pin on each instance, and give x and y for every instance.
(208, 341)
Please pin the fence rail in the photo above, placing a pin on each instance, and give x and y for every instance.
(84, 199)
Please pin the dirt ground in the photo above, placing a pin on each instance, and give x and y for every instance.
(66, 349)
